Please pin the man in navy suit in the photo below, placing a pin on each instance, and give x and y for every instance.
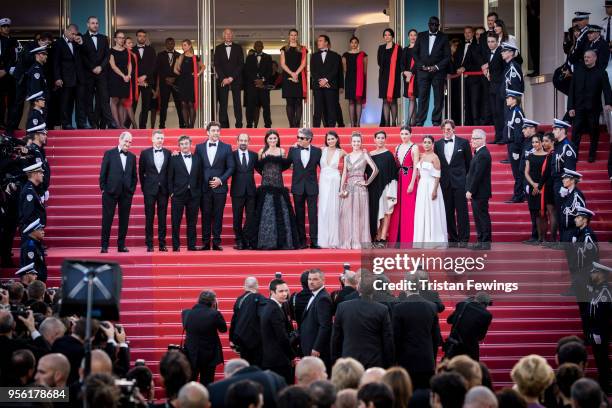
(153, 175)
(118, 183)
(455, 156)
(217, 164)
(185, 187)
(243, 193)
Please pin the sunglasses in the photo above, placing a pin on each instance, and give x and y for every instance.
(302, 138)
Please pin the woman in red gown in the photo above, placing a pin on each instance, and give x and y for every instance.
(401, 228)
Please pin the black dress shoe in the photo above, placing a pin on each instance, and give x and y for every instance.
(217, 247)
(123, 249)
(303, 246)
(205, 247)
(239, 247)
(314, 246)
(87, 127)
(505, 161)
(104, 250)
(162, 248)
(176, 249)
(150, 248)
(67, 127)
(192, 248)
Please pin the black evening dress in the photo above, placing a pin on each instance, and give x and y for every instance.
(350, 79)
(275, 224)
(293, 59)
(117, 87)
(381, 188)
(184, 81)
(384, 66)
(535, 172)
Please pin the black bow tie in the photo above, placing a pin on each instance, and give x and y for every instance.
(228, 45)
(304, 148)
(94, 35)
(433, 34)
(448, 140)
(258, 54)
(158, 150)
(324, 50)
(212, 145)
(468, 42)
(123, 153)
(187, 156)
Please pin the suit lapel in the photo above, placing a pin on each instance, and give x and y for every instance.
(455, 148)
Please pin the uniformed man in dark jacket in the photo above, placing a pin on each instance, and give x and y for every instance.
(245, 330)
(572, 198)
(470, 322)
(36, 131)
(32, 248)
(513, 74)
(514, 136)
(599, 323)
(35, 76)
(8, 56)
(576, 54)
(599, 45)
(30, 204)
(584, 251)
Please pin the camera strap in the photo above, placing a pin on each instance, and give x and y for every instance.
(455, 329)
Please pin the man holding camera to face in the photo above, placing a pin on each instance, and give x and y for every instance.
(470, 322)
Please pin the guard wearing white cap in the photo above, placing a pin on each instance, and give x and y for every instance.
(597, 44)
(514, 136)
(8, 56)
(572, 199)
(36, 132)
(513, 74)
(32, 248)
(564, 158)
(27, 274)
(598, 326)
(30, 204)
(35, 76)
(585, 250)
(577, 53)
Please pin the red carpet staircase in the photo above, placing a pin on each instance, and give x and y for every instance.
(156, 287)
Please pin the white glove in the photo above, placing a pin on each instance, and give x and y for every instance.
(46, 196)
(515, 156)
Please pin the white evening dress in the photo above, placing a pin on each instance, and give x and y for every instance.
(329, 200)
(429, 215)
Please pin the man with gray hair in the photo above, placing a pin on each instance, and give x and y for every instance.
(245, 332)
(193, 395)
(234, 365)
(304, 186)
(310, 369)
(478, 189)
(118, 184)
(50, 330)
(480, 397)
(349, 280)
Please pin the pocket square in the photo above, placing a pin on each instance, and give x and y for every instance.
(459, 150)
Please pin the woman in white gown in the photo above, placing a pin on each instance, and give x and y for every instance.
(329, 190)
(429, 213)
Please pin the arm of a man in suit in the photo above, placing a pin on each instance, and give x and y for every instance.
(105, 54)
(445, 61)
(476, 175)
(324, 320)
(170, 176)
(218, 62)
(398, 325)
(436, 334)
(607, 92)
(280, 332)
(221, 324)
(141, 170)
(229, 166)
(57, 64)
(134, 178)
(388, 351)
(418, 64)
(467, 154)
(86, 56)
(240, 63)
(104, 171)
(337, 336)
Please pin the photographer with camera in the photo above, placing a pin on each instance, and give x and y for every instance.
(470, 322)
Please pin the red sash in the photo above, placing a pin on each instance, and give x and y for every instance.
(196, 87)
(411, 82)
(361, 79)
(542, 192)
(133, 80)
(304, 81)
(391, 83)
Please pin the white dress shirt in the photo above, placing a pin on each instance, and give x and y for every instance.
(314, 294)
(123, 158)
(305, 156)
(432, 40)
(170, 58)
(448, 150)
(245, 154)
(141, 50)
(188, 162)
(94, 38)
(323, 54)
(211, 151)
(158, 159)
(228, 49)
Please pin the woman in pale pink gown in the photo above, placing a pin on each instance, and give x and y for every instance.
(354, 232)
(401, 229)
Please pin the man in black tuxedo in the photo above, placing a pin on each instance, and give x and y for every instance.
(316, 327)
(470, 322)
(455, 155)
(416, 334)
(245, 331)
(432, 58)
(217, 166)
(257, 75)
(493, 69)
(146, 76)
(95, 57)
(304, 186)
(185, 188)
(165, 78)
(153, 175)
(362, 329)
(229, 60)
(469, 53)
(69, 78)
(324, 69)
(243, 192)
(277, 353)
(117, 183)
(478, 189)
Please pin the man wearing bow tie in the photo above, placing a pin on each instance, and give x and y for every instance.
(165, 78)
(185, 187)
(95, 57)
(471, 62)
(229, 60)
(146, 76)
(217, 166)
(152, 172)
(324, 68)
(117, 183)
(257, 74)
(432, 59)
(455, 156)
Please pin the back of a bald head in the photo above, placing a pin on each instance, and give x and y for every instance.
(234, 365)
(251, 283)
(480, 397)
(59, 362)
(193, 395)
(372, 375)
(101, 362)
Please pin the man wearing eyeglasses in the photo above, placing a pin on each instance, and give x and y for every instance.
(304, 186)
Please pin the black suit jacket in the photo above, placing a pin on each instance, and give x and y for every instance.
(245, 330)
(472, 327)
(180, 181)
(304, 179)
(232, 67)
(416, 333)
(153, 182)
(243, 179)
(453, 174)
(472, 60)
(113, 179)
(74, 351)
(222, 166)
(202, 327)
(66, 64)
(316, 327)
(271, 382)
(277, 350)
(328, 69)
(362, 330)
(496, 69)
(252, 72)
(93, 57)
(479, 176)
(586, 88)
(440, 53)
(163, 68)
(146, 64)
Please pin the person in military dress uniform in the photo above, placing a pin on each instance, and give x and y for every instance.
(585, 251)
(513, 74)
(27, 274)
(36, 134)
(35, 76)
(564, 158)
(572, 198)
(514, 136)
(30, 204)
(576, 54)
(597, 44)
(599, 319)
(32, 249)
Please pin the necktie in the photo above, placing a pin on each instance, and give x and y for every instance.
(448, 140)
(244, 163)
(158, 150)
(212, 144)
(187, 156)
(608, 30)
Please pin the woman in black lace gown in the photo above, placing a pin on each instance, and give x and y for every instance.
(275, 223)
